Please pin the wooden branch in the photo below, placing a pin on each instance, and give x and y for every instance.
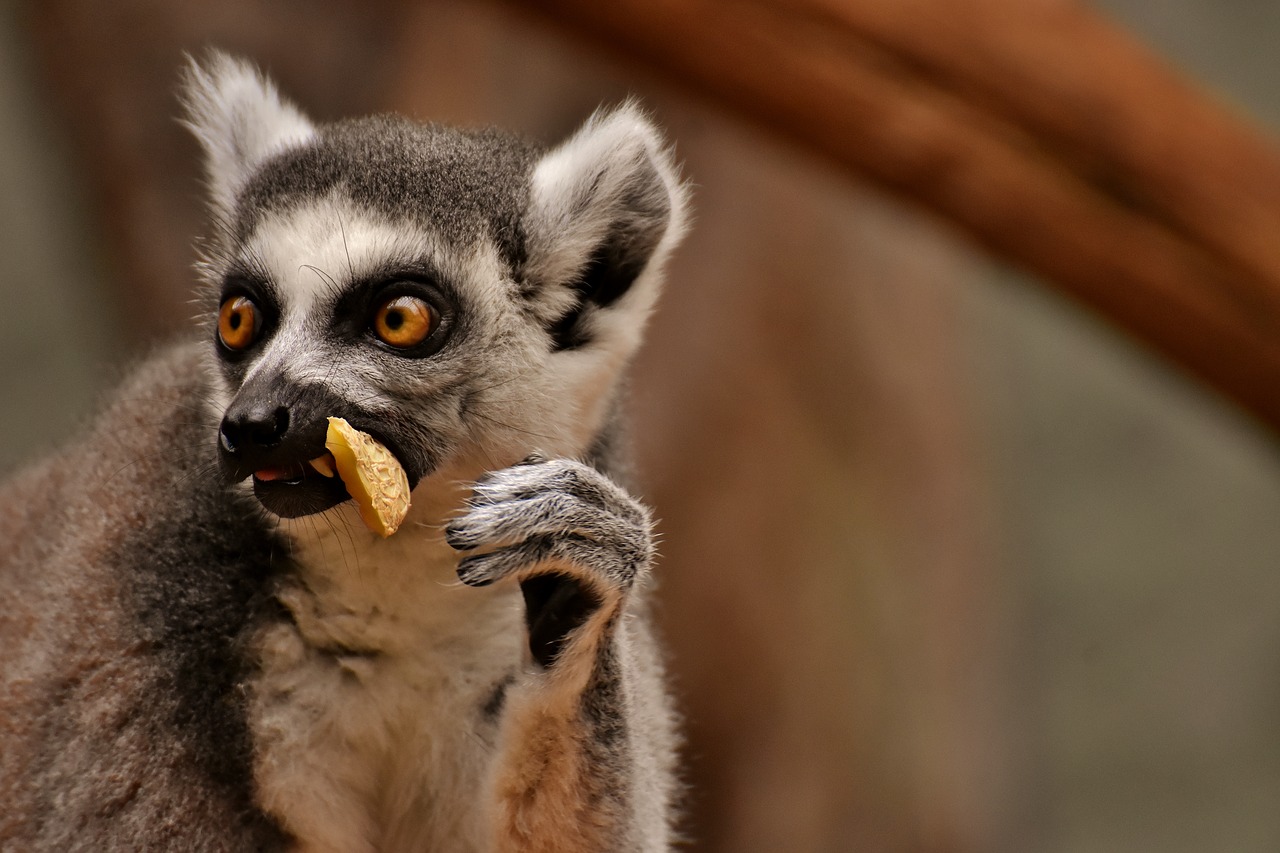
(1046, 134)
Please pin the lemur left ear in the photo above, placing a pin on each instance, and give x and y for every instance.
(240, 120)
(606, 208)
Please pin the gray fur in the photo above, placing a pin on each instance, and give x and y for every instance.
(128, 573)
(464, 184)
(185, 670)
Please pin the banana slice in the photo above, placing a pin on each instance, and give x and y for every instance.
(372, 474)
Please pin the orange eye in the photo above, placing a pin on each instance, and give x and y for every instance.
(405, 321)
(238, 323)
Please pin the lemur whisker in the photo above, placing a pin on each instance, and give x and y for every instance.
(513, 427)
(346, 249)
(324, 276)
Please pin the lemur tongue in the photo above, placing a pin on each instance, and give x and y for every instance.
(323, 465)
(269, 474)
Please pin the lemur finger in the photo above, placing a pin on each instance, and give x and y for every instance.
(599, 567)
(484, 569)
(552, 513)
(534, 458)
(557, 475)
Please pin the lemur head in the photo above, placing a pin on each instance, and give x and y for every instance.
(464, 297)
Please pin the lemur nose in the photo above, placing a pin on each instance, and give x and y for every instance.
(258, 428)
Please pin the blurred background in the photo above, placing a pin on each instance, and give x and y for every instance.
(949, 564)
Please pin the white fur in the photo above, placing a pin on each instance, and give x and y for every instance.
(240, 120)
(580, 187)
(365, 752)
(311, 252)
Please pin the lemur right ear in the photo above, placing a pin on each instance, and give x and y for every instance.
(240, 120)
(606, 207)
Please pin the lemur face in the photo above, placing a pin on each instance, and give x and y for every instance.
(372, 275)
(465, 298)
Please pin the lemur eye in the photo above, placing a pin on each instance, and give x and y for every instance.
(238, 323)
(405, 321)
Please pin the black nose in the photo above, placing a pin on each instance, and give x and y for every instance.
(254, 428)
(274, 423)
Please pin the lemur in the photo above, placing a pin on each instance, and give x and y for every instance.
(204, 649)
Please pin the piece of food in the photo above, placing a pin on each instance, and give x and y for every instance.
(373, 476)
(324, 465)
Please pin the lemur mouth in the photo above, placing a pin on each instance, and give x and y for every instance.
(303, 488)
(294, 474)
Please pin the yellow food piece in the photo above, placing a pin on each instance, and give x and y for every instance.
(324, 465)
(372, 474)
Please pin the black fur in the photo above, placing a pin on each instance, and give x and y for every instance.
(492, 707)
(555, 605)
(638, 225)
(608, 744)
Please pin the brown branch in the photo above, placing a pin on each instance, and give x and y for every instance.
(1141, 131)
(1049, 136)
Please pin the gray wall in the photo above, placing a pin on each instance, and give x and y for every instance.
(56, 329)
(1142, 526)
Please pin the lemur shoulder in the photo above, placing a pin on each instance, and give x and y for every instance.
(204, 647)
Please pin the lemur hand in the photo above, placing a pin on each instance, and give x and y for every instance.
(574, 540)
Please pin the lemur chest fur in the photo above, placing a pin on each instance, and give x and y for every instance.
(379, 686)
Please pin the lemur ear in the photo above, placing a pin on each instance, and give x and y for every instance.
(606, 207)
(240, 119)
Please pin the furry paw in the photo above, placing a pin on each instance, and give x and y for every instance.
(573, 539)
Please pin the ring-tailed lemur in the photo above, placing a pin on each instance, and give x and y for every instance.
(185, 671)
